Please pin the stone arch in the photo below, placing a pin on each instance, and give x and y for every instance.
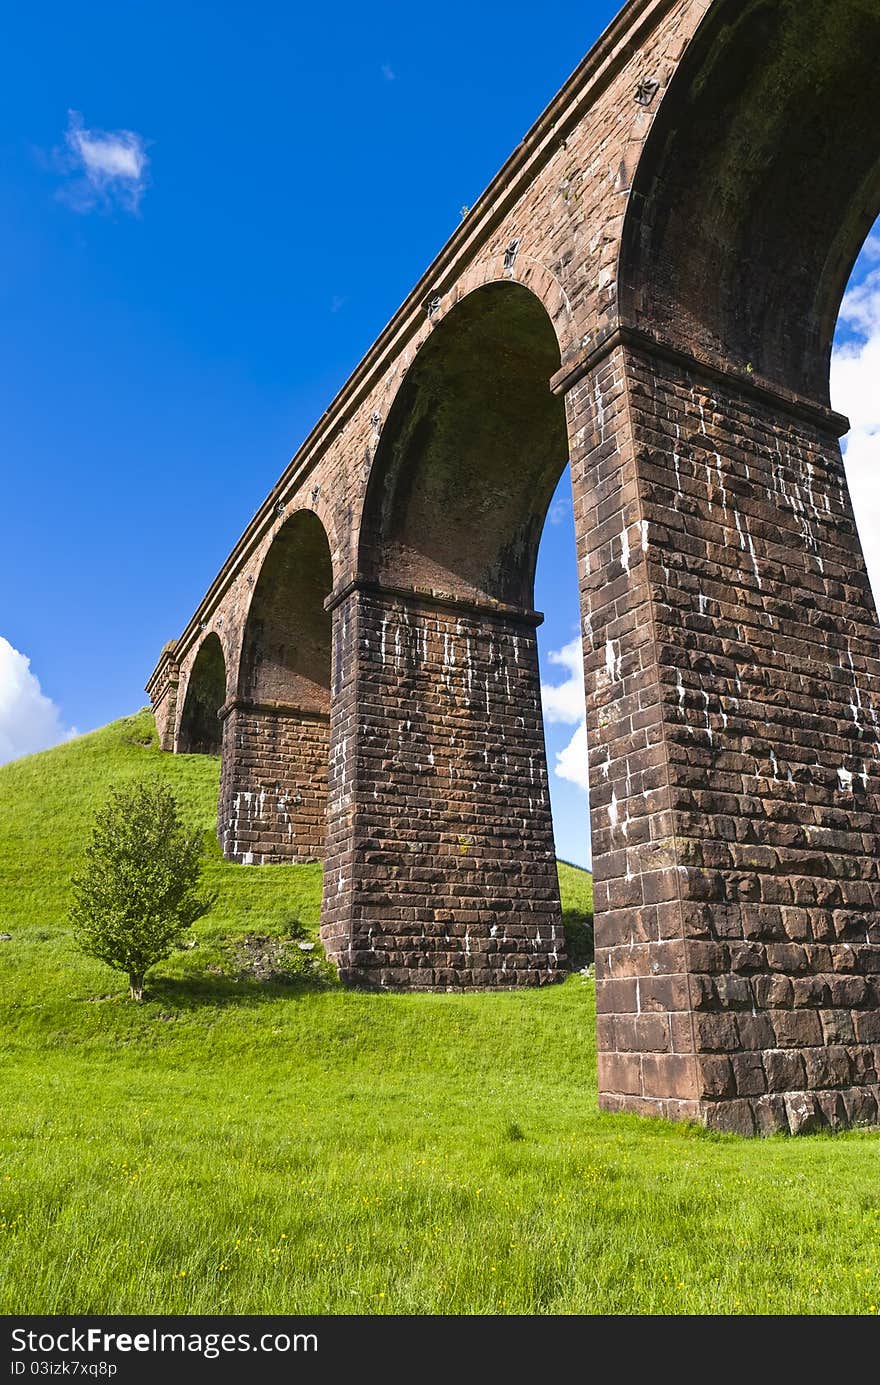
(758, 184)
(470, 453)
(201, 732)
(285, 653)
(273, 793)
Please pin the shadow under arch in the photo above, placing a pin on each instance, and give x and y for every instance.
(200, 731)
(285, 654)
(273, 792)
(470, 454)
(757, 186)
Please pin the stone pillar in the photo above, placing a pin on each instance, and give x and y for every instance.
(162, 689)
(273, 783)
(441, 868)
(733, 686)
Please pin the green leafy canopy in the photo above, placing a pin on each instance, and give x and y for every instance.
(136, 892)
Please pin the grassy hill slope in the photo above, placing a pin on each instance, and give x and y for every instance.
(240, 1146)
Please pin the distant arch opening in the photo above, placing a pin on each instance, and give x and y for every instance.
(286, 648)
(201, 732)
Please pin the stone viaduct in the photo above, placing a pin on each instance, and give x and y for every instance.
(648, 289)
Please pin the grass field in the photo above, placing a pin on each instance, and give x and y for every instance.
(240, 1146)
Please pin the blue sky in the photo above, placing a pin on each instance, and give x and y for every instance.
(180, 306)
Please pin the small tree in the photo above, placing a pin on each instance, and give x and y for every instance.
(135, 893)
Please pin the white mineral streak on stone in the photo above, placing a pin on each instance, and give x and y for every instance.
(609, 660)
(739, 529)
(600, 411)
(864, 775)
(643, 529)
(382, 649)
(624, 826)
(721, 480)
(755, 562)
(679, 687)
(855, 702)
(606, 764)
(247, 859)
(774, 762)
(613, 813)
(676, 461)
(844, 780)
(709, 731)
(701, 602)
(624, 548)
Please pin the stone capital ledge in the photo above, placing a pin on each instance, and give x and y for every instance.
(165, 676)
(274, 709)
(434, 600)
(713, 368)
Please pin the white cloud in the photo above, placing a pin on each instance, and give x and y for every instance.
(388, 72)
(29, 720)
(559, 511)
(571, 763)
(564, 703)
(111, 166)
(855, 391)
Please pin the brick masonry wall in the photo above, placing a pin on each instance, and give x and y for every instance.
(273, 785)
(452, 880)
(645, 1022)
(761, 675)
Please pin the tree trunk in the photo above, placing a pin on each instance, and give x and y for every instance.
(135, 986)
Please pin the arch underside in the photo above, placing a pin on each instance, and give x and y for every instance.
(200, 728)
(758, 185)
(470, 454)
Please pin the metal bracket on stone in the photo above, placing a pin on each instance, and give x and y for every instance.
(376, 422)
(646, 91)
(511, 253)
(280, 507)
(431, 305)
(316, 491)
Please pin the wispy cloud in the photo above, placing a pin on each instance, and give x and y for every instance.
(106, 168)
(564, 703)
(388, 72)
(29, 720)
(855, 373)
(337, 302)
(559, 511)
